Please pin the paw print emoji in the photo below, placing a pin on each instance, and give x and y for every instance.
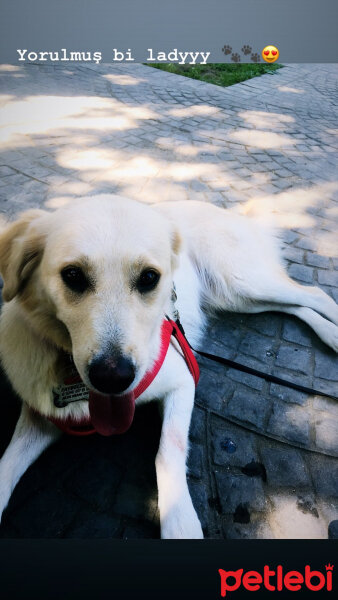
(255, 57)
(246, 49)
(227, 49)
(235, 57)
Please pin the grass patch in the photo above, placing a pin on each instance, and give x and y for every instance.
(222, 74)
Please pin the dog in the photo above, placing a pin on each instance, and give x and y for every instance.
(92, 283)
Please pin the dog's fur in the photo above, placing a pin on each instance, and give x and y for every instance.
(217, 259)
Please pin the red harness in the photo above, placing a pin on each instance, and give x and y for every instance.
(169, 328)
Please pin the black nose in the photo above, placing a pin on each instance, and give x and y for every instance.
(111, 375)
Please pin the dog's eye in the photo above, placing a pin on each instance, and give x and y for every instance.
(75, 279)
(148, 280)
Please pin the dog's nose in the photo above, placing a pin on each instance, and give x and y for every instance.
(111, 376)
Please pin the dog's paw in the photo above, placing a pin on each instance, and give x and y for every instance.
(181, 523)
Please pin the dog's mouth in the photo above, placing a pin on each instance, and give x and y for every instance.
(111, 414)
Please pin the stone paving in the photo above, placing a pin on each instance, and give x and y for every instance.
(264, 459)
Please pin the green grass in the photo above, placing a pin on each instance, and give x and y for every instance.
(223, 74)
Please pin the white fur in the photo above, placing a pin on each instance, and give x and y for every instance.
(225, 261)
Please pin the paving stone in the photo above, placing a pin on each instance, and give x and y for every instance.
(197, 425)
(243, 448)
(316, 260)
(267, 324)
(288, 394)
(244, 378)
(324, 471)
(249, 408)
(306, 244)
(256, 345)
(327, 434)
(290, 236)
(283, 173)
(199, 496)
(301, 273)
(259, 529)
(195, 461)
(296, 359)
(328, 277)
(228, 332)
(213, 388)
(296, 331)
(284, 467)
(294, 254)
(289, 422)
(291, 514)
(283, 184)
(5, 171)
(326, 366)
(235, 490)
(327, 405)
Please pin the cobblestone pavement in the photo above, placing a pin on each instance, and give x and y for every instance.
(269, 144)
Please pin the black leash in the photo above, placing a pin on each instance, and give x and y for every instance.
(272, 378)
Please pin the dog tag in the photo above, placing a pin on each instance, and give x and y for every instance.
(65, 394)
(72, 389)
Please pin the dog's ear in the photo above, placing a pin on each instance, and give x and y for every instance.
(21, 248)
(176, 243)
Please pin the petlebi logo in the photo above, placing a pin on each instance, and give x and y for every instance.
(276, 580)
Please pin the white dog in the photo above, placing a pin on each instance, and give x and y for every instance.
(93, 281)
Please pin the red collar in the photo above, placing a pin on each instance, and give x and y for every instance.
(169, 328)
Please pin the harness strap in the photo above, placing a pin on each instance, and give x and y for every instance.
(169, 328)
(71, 427)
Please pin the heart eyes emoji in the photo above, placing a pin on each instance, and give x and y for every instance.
(270, 54)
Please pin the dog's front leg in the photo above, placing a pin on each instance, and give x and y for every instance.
(178, 516)
(32, 435)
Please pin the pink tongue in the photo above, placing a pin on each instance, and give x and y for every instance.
(111, 414)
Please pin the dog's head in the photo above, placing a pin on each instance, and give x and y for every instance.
(94, 278)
